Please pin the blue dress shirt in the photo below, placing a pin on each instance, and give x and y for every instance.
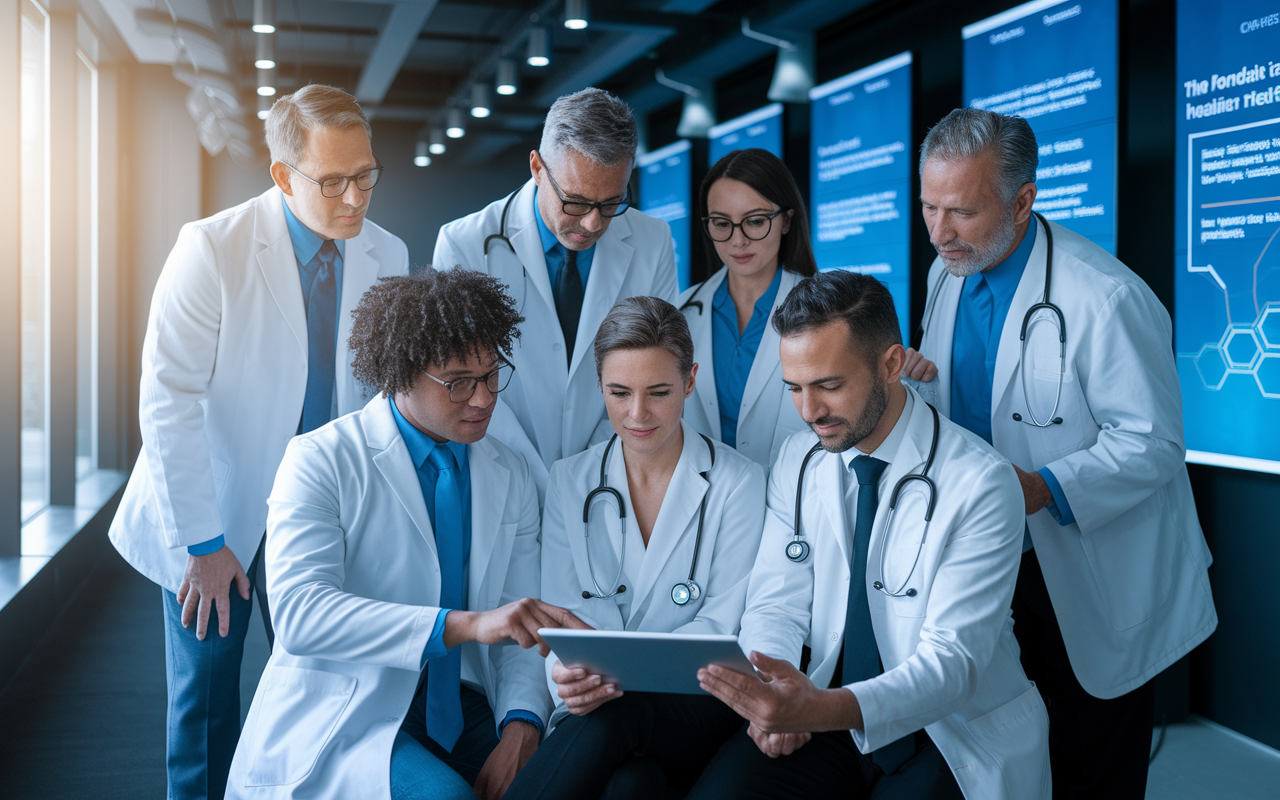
(554, 251)
(733, 353)
(984, 304)
(306, 243)
(420, 446)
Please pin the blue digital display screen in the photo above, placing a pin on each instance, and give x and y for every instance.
(666, 177)
(761, 128)
(1054, 63)
(860, 187)
(1227, 201)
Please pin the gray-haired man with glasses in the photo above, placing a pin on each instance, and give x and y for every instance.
(568, 245)
(245, 347)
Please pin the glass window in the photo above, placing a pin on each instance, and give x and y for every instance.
(86, 266)
(33, 110)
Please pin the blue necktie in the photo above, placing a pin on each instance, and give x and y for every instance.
(861, 655)
(569, 294)
(322, 338)
(444, 673)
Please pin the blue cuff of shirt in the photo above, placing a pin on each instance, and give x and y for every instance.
(1059, 509)
(523, 716)
(205, 548)
(435, 645)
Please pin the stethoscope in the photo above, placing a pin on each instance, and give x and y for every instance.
(798, 549)
(683, 592)
(1044, 305)
(501, 236)
(693, 302)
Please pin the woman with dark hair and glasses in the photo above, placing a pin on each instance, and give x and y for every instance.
(754, 223)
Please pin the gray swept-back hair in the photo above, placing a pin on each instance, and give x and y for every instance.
(312, 106)
(639, 323)
(968, 132)
(594, 123)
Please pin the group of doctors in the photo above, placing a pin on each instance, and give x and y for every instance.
(956, 571)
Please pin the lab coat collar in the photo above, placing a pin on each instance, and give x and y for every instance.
(522, 230)
(1030, 291)
(609, 269)
(678, 516)
(767, 352)
(278, 264)
(700, 327)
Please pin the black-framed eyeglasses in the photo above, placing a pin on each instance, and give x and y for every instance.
(579, 208)
(463, 389)
(336, 187)
(754, 227)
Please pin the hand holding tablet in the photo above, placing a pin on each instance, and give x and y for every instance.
(645, 662)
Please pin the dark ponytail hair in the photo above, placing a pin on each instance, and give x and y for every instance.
(766, 174)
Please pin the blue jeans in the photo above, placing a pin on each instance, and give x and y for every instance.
(204, 692)
(416, 774)
(479, 738)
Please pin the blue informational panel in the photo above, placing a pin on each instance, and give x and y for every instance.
(1227, 263)
(860, 188)
(1053, 62)
(666, 178)
(761, 128)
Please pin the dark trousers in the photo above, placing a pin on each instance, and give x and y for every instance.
(203, 724)
(633, 746)
(479, 732)
(1098, 749)
(828, 765)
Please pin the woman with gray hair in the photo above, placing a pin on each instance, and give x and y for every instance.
(654, 530)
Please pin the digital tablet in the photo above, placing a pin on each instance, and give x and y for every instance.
(646, 662)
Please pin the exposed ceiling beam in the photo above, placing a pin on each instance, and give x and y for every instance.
(393, 46)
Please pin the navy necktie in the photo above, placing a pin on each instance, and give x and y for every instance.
(444, 673)
(322, 338)
(861, 656)
(569, 298)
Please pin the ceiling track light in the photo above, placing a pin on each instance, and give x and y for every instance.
(507, 77)
(577, 14)
(794, 71)
(266, 51)
(264, 106)
(267, 82)
(699, 112)
(479, 100)
(264, 16)
(420, 157)
(539, 53)
(436, 140)
(457, 127)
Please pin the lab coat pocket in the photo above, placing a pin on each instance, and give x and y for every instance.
(1015, 737)
(299, 710)
(1042, 393)
(501, 568)
(1133, 559)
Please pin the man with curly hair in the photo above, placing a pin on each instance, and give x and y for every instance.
(402, 542)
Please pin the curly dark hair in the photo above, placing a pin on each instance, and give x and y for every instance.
(408, 324)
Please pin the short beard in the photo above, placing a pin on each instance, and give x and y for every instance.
(980, 257)
(866, 424)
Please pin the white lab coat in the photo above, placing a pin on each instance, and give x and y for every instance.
(950, 659)
(224, 373)
(354, 584)
(734, 488)
(767, 415)
(553, 408)
(1128, 579)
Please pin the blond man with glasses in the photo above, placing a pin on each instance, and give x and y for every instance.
(245, 348)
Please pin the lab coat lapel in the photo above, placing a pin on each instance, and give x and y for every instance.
(704, 397)
(526, 241)
(678, 516)
(829, 483)
(1030, 291)
(359, 269)
(766, 360)
(396, 466)
(490, 553)
(909, 457)
(609, 267)
(278, 263)
(940, 333)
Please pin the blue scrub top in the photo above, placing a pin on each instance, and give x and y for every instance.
(733, 353)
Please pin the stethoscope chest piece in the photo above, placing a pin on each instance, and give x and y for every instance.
(798, 551)
(880, 586)
(685, 592)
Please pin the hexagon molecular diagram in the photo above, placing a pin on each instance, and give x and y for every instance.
(1241, 347)
(1212, 366)
(1269, 327)
(1267, 374)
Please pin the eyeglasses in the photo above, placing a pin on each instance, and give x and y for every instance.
(463, 389)
(576, 208)
(754, 227)
(336, 187)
